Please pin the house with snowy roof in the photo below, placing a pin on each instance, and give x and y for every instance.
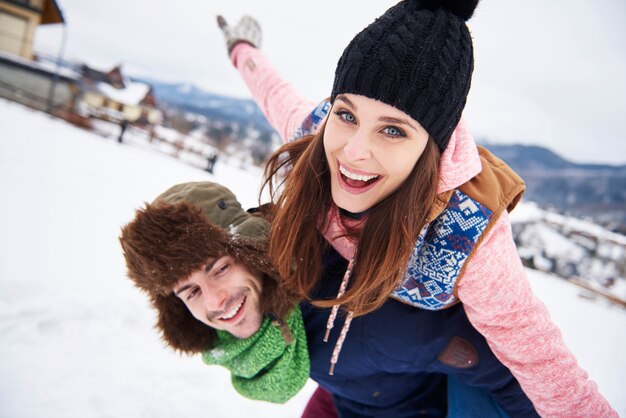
(70, 90)
(24, 77)
(110, 95)
(18, 21)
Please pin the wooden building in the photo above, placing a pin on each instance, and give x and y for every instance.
(112, 96)
(18, 21)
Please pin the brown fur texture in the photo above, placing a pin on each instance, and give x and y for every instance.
(165, 243)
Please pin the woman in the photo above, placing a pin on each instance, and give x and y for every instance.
(392, 223)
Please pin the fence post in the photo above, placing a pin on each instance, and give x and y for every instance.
(55, 79)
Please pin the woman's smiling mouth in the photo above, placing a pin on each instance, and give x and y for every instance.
(356, 182)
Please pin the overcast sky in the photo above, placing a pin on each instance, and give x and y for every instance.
(546, 72)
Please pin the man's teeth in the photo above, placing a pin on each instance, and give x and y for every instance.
(234, 311)
(355, 176)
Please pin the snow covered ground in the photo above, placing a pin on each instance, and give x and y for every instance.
(76, 338)
(571, 247)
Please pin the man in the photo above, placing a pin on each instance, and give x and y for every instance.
(201, 260)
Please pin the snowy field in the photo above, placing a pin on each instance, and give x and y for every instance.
(76, 338)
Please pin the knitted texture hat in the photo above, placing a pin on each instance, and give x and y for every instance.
(175, 235)
(417, 57)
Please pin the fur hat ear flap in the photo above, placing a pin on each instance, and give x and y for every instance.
(167, 242)
(179, 329)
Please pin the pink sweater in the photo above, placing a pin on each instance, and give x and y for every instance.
(514, 322)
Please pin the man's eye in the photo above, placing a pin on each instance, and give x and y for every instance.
(193, 293)
(346, 116)
(223, 269)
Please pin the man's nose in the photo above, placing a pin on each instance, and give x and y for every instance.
(214, 298)
(358, 147)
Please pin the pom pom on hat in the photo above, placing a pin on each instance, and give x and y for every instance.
(462, 8)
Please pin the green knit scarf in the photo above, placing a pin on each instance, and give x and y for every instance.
(264, 367)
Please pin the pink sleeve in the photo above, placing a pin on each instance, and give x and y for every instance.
(283, 106)
(500, 304)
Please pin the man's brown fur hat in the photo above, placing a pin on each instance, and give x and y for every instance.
(175, 236)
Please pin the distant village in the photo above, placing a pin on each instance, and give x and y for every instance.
(106, 100)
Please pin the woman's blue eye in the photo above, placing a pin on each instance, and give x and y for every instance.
(393, 131)
(346, 116)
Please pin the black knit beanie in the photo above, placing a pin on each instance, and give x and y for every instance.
(417, 57)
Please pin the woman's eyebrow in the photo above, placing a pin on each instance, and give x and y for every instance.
(346, 101)
(398, 120)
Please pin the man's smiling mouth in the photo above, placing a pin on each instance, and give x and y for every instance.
(234, 311)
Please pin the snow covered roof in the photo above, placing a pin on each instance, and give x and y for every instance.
(114, 85)
(41, 66)
(132, 93)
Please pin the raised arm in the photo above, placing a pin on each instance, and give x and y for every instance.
(500, 304)
(283, 106)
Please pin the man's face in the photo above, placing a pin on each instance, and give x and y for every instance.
(225, 295)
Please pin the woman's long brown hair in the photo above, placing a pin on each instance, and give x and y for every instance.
(298, 180)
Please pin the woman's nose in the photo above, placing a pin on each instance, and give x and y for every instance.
(357, 147)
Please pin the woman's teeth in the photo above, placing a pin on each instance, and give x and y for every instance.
(234, 311)
(354, 176)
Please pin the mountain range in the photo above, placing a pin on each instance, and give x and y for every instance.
(597, 191)
(189, 98)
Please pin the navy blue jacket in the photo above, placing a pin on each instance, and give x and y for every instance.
(390, 364)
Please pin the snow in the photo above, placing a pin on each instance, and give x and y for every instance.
(167, 133)
(185, 88)
(527, 212)
(553, 243)
(571, 247)
(132, 94)
(592, 329)
(77, 337)
(41, 65)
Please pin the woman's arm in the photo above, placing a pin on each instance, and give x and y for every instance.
(500, 304)
(283, 106)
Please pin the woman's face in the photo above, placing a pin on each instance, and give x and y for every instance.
(371, 148)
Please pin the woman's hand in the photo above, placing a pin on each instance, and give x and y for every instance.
(247, 30)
